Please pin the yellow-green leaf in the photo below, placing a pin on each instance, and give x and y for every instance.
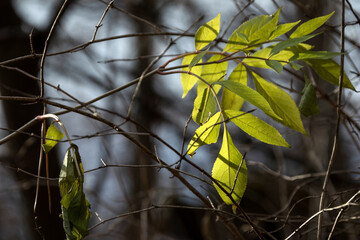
(204, 104)
(74, 205)
(329, 70)
(215, 71)
(187, 80)
(256, 128)
(230, 171)
(207, 33)
(281, 102)
(53, 135)
(255, 61)
(315, 55)
(310, 26)
(231, 100)
(206, 134)
(250, 95)
(282, 29)
(197, 58)
(290, 43)
(257, 29)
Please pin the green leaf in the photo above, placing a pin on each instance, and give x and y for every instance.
(255, 60)
(231, 100)
(206, 134)
(296, 66)
(256, 128)
(310, 26)
(281, 102)
(230, 171)
(275, 65)
(282, 29)
(243, 38)
(315, 55)
(53, 135)
(188, 81)
(207, 33)
(197, 58)
(75, 208)
(204, 104)
(257, 29)
(249, 95)
(289, 43)
(329, 70)
(215, 71)
(308, 102)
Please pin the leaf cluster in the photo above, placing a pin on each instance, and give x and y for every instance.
(257, 43)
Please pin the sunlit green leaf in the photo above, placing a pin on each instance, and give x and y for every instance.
(53, 135)
(281, 102)
(206, 134)
(204, 104)
(188, 81)
(249, 95)
(75, 208)
(215, 71)
(257, 29)
(310, 26)
(308, 103)
(329, 70)
(277, 66)
(256, 128)
(282, 29)
(254, 60)
(207, 33)
(231, 100)
(243, 38)
(230, 171)
(315, 55)
(289, 43)
(197, 58)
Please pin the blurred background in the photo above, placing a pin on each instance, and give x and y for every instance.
(86, 60)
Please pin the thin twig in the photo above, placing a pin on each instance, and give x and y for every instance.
(101, 20)
(237, 173)
(338, 119)
(342, 206)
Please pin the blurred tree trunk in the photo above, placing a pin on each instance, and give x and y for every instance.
(146, 113)
(24, 149)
